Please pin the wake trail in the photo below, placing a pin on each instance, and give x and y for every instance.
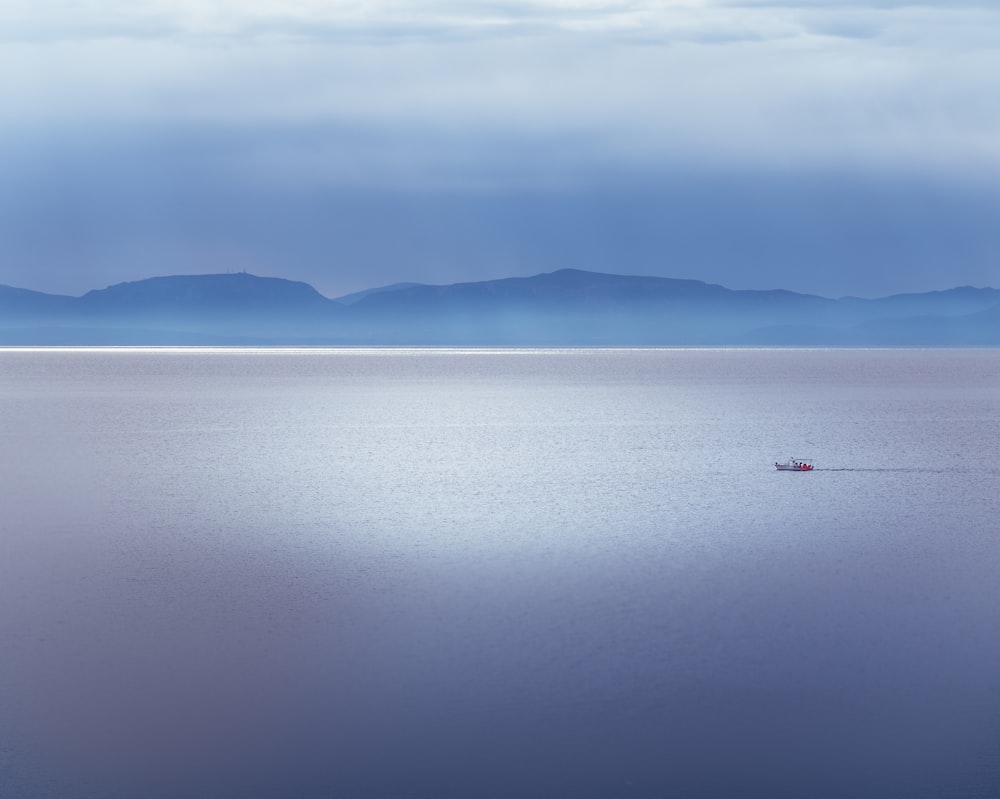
(898, 469)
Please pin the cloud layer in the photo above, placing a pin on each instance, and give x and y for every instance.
(218, 98)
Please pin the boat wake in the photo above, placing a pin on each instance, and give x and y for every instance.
(904, 469)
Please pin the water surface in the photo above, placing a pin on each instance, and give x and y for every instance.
(445, 573)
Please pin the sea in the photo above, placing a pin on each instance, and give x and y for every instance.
(461, 573)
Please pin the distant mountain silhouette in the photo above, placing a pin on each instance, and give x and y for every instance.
(567, 307)
(212, 309)
(22, 303)
(239, 294)
(571, 306)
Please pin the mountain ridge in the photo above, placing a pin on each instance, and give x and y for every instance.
(565, 307)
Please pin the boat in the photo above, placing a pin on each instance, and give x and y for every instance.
(794, 465)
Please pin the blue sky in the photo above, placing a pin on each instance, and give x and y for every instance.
(830, 147)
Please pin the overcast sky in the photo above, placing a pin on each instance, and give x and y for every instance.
(829, 147)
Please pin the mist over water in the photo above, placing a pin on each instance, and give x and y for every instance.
(447, 573)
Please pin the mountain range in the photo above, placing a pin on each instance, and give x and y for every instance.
(567, 307)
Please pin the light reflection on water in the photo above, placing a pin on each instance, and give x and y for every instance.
(445, 573)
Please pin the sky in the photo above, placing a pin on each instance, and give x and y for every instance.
(848, 147)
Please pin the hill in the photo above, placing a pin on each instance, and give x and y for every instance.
(567, 307)
(230, 295)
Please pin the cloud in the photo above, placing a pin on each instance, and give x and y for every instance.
(370, 21)
(382, 21)
(468, 93)
(155, 105)
(392, 22)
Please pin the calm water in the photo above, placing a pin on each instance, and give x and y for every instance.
(403, 573)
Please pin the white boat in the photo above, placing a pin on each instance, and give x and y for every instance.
(794, 465)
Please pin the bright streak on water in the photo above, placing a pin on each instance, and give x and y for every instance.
(451, 573)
